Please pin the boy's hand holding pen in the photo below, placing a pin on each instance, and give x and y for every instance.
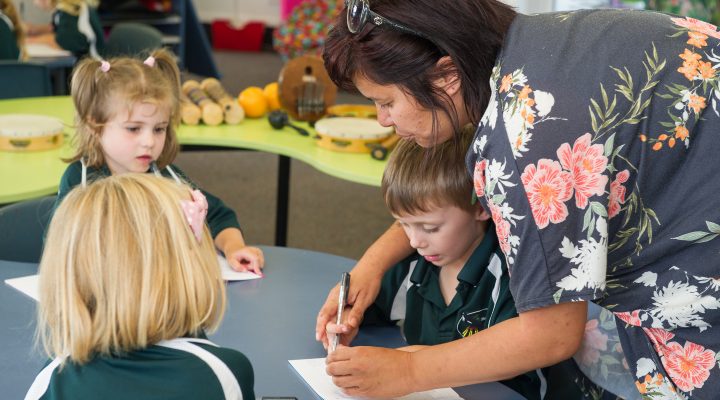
(342, 302)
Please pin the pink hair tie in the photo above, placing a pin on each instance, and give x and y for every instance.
(195, 212)
(104, 66)
(150, 61)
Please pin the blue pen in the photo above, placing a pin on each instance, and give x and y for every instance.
(342, 300)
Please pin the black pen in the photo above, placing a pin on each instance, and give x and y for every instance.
(342, 300)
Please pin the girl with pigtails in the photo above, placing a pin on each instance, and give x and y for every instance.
(127, 114)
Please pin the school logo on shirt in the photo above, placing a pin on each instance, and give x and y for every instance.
(471, 323)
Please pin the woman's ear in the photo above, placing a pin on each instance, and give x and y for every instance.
(449, 80)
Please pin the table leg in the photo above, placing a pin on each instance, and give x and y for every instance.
(283, 197)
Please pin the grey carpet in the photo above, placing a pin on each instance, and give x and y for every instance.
(325, 213)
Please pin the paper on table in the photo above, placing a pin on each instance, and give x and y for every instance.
(29, 284)
(39, 50)
(230, 274)
(312, 370)
(26, 284)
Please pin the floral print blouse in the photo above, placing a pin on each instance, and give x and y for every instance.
(598, 158)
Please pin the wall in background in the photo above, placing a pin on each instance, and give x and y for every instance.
(239, 12)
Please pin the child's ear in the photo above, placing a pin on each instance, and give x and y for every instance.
(450, 81)
(480, 213)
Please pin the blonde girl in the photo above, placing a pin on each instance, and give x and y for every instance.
(127, 113)
(75, 27)
(128, 288)
(12, 34)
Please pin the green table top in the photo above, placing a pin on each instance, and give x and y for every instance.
(25, 175)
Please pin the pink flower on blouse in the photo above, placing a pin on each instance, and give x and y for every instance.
(658, 336)
(697, 26)
(502, 228)
(586, 163)
(630, 318)
(479, 178)
(594, 341)
(688, 366)
(617, 193)
(548, 187)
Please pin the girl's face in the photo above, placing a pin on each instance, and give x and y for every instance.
(445, 236)
(133, 139)
(397, 109)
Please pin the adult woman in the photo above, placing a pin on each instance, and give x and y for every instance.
(589, 119)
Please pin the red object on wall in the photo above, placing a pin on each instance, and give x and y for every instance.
(246, 38)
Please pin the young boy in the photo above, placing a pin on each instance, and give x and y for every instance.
(457, 282)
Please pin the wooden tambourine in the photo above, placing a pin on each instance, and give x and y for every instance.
(28, 132)
(350, 134)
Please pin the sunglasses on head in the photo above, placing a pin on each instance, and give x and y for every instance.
(359, 13)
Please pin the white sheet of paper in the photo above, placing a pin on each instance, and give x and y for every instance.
(26, 284)
(29, 284)
(312, 370)
(40, 50)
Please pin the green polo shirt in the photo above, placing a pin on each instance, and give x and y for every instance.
(71, 39)
(410, 292)
(219, 215)
(9, 49)
(156, 372)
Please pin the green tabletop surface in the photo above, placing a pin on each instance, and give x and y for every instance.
(26, 175)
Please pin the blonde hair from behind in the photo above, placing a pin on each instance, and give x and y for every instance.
(122, 270)
(99, 95)
(7, 7)
(417, 179)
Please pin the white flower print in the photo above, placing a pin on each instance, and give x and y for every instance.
(648, 279)
(491, 114)
(679, 304)
(644, 367)
(712, 283)
(544, 102)
(591, 258)
(479, 144)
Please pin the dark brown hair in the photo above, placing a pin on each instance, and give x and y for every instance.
(95, 94)
(471, 32)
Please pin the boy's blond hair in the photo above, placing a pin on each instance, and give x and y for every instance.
(122, 270)
(7, 7)
(417, 179)
(98, 95)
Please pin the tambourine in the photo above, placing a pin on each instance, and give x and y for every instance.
(352, 110)
(350, 134)
(28, 132)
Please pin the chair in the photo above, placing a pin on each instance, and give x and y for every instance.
(23, 79)
(22, 229)
(132, 39)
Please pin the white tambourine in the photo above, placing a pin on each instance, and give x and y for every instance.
(29, 132)
(350, 134)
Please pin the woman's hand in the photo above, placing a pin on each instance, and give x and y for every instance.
(346, 333)
(371, 371)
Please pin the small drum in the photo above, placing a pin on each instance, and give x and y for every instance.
(350, 134)
(28, 132)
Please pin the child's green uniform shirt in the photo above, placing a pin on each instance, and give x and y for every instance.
(69, 37)
(219, 215)
(9, 49)
(156, 372)
(410, 291)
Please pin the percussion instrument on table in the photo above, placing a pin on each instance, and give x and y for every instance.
(352, 110)
(305, 88)
(351, 134)
(29, 132)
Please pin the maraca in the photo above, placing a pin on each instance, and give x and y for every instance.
(279, 119)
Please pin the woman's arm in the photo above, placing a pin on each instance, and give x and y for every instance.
(535, 339)
(389, 249)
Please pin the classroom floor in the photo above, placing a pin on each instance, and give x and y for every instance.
(326, 214)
